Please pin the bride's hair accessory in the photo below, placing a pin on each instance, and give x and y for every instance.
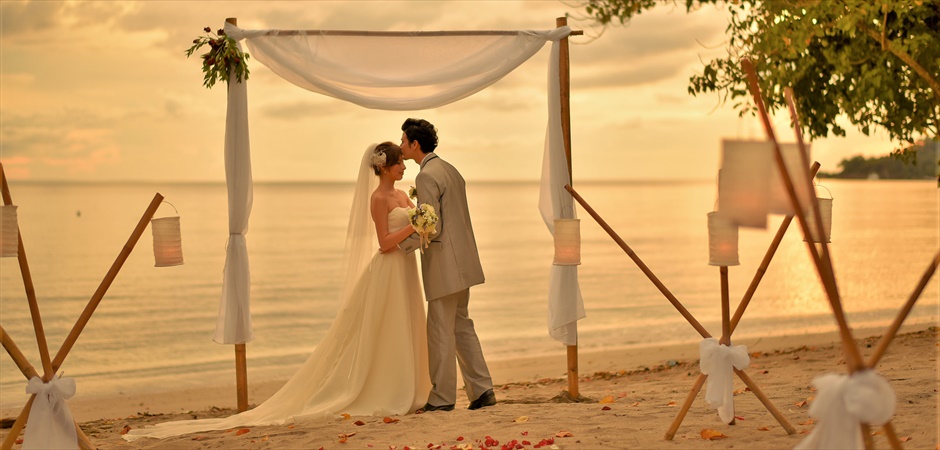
(384, 155)
(378, 160)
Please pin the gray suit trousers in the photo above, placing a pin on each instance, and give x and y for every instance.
(450, 335)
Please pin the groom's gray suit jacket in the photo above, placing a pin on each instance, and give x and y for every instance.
(451, 263)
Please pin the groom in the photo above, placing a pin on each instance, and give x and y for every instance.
(450, 265)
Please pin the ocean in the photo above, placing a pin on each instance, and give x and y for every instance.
(152, 331)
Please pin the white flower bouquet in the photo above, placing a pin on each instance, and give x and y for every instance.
(424, 220)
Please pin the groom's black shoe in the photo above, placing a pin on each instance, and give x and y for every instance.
(487, 399)
(429, 407)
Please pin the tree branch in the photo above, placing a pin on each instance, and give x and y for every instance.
(903, 56)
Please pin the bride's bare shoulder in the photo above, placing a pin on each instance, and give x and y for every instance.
(379, 198)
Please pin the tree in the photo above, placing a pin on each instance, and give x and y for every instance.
(876, 62)
(888, 168)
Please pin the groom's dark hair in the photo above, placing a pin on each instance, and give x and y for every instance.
(422, 131)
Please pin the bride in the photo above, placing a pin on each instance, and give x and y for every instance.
(373, 360)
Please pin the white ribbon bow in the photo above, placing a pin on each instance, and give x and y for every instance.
(50, 424)
(843, 403)
(718, 361)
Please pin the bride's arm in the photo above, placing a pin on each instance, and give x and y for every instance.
(387, 240)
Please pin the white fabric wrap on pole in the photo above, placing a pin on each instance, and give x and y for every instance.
(366, 69)
(718, 361)
(565, 305)
(843, 403)
(234, 322)
(50, 422)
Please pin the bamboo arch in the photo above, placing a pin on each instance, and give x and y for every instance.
(241, 372)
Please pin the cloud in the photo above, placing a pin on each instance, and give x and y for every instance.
(52, 141)
(20, 17)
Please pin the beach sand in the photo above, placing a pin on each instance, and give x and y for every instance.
(635, 394)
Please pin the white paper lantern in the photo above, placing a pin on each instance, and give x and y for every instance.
(779, 199)
(744, 182)
(9, 231)
(722, 241)
(567, 242)
(825, 213)
(167, 243)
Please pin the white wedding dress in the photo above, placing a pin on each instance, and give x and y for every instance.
(373, 361)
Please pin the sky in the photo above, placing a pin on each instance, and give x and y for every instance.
(103, 91)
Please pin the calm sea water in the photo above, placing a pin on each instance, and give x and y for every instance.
(152, 330)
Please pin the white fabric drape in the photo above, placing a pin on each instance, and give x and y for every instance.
(50, 421)
(393, 71)
(718, 361)
(843, 403)
(565, 305)
(396, 71)
(234, 322)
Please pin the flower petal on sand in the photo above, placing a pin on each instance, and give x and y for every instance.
(711, 435)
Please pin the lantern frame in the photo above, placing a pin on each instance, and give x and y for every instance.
(567, 239)
(167, 240)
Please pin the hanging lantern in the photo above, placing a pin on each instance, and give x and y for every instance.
(167, 243)
(744, 182)
(722, 241)
(779, 199)
(9, 231)
(567, 242)
(825, 213)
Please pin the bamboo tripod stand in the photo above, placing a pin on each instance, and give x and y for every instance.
(51, 366)
(821, 257)
(728, 324)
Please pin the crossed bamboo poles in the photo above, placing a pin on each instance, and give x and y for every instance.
(821, 257)
(821, 260)
(51, 366)
(728, 324)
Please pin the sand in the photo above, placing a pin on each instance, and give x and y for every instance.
(633, 395)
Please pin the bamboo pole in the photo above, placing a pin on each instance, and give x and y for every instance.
(726, 328)
(564, 78)
(84, 442)
(86, 315)
(241, 350)
(852, 351)
(29, 372)
(21, 362)
(814, 209)
(762, 269)
(766, 401)
(696, 388)
(902, 315)
(823, 267)
(241, 377)
(105, 284)
(28, 285)
(892, 436)
(18, 425)
(646, 270)
(725, 308)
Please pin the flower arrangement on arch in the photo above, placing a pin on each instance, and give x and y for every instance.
(223, 57)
